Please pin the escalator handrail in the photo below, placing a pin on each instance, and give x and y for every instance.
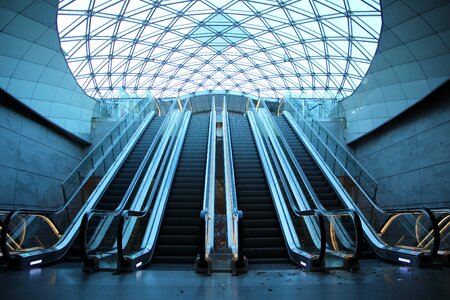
(409, 210)
(295, 166)
(377, 206)
(131, 191)
(207, 213)
(308, 212)
(234, 230)
(173, 155)
(296, 210)
(4, 233)
(125, 214)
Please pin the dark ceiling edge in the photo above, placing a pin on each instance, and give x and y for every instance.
(437, 91)
(12, 103)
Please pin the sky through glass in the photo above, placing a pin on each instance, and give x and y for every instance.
(313, 49)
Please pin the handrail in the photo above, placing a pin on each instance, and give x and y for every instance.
(207, 213)
(144, 255)
(349, 157)
(235, 224)
(426, 256)
(157, 106)
(159, 139)
(58, 247)
(291, 165)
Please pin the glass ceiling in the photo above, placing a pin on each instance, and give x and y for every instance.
(311, 49)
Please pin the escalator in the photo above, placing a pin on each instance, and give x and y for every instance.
(263, 240)
(120, 184)
(179, 235)
(322, 188)
(400, 238)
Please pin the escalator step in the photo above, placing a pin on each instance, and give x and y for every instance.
(272, 223)
(183, 213)
(180, 230)
(264, 242)
(186, 240)
(270, 254)
(248, 207)
(176, 250)
(262, 232)
(260, 215)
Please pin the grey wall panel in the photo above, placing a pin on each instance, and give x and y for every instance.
(8, 178)
(435, 183)
(433, 145)
(409, 156)
(37, 191)
(34, 160)
(412, 59)
(393, 190)
(9, 145)
(35, 70)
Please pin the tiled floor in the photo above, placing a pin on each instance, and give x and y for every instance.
(375, 280)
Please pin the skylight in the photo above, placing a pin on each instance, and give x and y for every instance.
(312, 49)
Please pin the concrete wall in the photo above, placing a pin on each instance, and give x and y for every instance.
(34, 160)
(410, 156)
(100, 127)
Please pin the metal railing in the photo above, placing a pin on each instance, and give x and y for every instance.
(310, 257)
(235, 225)
(112, 143)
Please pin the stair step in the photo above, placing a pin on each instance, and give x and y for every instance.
(185, 240)
(264, 242)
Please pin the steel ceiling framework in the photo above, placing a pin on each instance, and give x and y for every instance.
(310, 49)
